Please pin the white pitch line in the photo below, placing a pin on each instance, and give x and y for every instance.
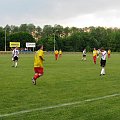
(58, 106)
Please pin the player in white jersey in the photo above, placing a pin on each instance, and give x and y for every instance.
(15, 54)
(84, 55)
(103, 61)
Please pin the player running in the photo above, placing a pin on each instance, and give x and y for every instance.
(84, 55)
(38, 64)
(56, 54)
(60, 53)
(109, 52)
(94, 55)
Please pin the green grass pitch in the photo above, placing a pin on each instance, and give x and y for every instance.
(70, 89)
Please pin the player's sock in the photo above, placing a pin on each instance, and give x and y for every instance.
(103, 71)
(15, 64)
(36, 76)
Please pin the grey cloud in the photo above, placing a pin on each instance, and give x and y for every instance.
(50, 10)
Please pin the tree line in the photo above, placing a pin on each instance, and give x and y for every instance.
(65, 38)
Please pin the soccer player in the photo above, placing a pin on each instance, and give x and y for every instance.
(15, 54)
(56, 54)
(84, 54)
(60, 53)
(103, 61)
(94, 55)
(38, 63)
(109, 52)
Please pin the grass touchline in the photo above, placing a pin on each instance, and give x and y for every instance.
(60, 105)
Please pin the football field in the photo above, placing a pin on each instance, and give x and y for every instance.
(70, 89)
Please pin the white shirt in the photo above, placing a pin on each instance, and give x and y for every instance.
(104, 54)
(15, 52)
(84, 52)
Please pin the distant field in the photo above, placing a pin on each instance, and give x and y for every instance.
(70, 89)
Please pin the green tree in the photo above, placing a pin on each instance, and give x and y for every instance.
(20, 37)
(23, 28)
(2, 40)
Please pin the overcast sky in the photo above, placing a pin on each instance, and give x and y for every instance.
(77, 13)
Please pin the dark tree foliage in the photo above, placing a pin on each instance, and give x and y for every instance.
(66, 39)
(2, 40)
(16, 37)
